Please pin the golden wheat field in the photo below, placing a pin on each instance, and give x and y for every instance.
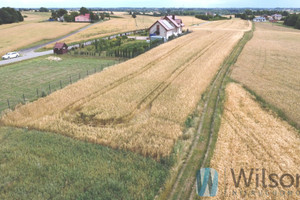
(32, 30)
(269, 65)
(119, 25)
(139, 105)
(228, 25)
(251, 137)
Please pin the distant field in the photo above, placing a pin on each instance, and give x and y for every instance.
(25, 77)
(251, 137)
(228, 25)
(123, 24)
(33, 30)
(39, 165)
(140, 105)
(269, 65)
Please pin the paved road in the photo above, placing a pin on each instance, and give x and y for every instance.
(29, 52)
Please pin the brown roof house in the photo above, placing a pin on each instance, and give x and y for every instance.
(60, 48)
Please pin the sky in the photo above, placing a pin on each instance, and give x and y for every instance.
(151, 3)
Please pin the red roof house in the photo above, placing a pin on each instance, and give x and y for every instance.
(83, 18)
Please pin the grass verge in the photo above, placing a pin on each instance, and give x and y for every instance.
(33, 77)
(41, 165)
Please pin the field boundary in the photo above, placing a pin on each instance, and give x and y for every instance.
(40, 92)
(268, 106)
(200, 153)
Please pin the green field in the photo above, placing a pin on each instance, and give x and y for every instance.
(39, 165)
(32, 77)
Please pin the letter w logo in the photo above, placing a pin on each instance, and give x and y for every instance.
(207, 182)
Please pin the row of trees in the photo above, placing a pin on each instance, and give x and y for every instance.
(70, 17)
(10, 15)
(211, 17)
(293, 20)
(118, 47)
(250, 15)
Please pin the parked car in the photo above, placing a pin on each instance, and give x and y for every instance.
(10, 55)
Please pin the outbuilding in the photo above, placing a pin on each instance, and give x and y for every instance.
(60, 48)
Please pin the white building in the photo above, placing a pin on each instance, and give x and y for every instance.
(259, 19)
(166, 27)
(277, 17)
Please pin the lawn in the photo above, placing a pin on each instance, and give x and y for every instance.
(29, 76)
(40, 165)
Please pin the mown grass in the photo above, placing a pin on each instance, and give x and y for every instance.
(36, 74)
(40, 165)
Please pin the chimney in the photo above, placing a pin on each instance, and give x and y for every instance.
(173, 17)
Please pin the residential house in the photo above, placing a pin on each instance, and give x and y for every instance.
(277, 17)
(83, 18)
(259, 19)
(166, 27)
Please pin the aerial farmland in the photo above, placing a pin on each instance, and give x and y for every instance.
(122, 102)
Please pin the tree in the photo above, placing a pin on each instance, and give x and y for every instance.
(297, 25)
(94, 17)
(5, 16)
(43, 9)
(68, 18)
(61, 12)
(102, 16)
(10, 15)
(73, 15)
(20, 17)
(248, 12)
(291, 20)
(285, 13)
(84, 11)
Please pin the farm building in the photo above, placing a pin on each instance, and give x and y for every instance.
(259, 19)
(166, 27)
(60, 48)
(83, 18)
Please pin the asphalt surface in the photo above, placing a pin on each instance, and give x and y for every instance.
(30, 53)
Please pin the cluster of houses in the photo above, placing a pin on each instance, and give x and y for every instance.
(166, 27)
(264, 18)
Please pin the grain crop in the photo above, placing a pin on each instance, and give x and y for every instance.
(269, 65)
(253, 138)
(32, 31)
(139, 105)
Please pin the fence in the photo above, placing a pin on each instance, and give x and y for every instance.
(36, 93)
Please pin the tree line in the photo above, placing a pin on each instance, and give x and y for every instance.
(250, 14)
(211, 17)
(292, 20)
(70, 17)
(10, 15)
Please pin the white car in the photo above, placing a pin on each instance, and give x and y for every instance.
(10, 55)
